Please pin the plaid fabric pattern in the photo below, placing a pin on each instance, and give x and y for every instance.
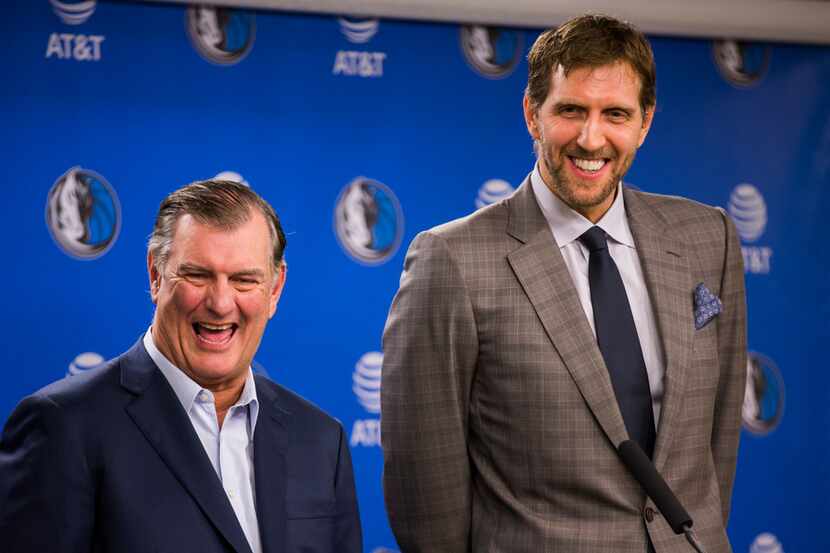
(499, 422)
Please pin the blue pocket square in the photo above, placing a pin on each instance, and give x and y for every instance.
(707, 306)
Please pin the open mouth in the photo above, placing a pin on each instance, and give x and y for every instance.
(216, 334)
(589, 166)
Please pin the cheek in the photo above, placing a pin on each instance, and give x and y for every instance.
(556, 136)
(184, 299)
(253, 305)
(627, 142)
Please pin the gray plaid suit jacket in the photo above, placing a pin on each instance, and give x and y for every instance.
(499, 422)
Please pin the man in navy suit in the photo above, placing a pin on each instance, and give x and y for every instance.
(176, 445)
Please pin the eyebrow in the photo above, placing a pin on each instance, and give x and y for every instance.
(249, 273)
(572, 102)
(194, 268)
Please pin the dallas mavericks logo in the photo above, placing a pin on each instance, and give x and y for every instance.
(220, 35)
(84, 362)
(73, 13)
(83, 214)
(358, 31)
(764, 397)
(492, 191)
(741, 63)
(368, 221)
(492, 52)
(366, 381)
(766, 543)
(749, 212)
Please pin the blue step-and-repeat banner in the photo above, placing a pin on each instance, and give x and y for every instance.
(107, 107)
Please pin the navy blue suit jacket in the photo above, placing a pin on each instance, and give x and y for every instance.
(108, 461)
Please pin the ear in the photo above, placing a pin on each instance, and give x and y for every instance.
(648, 116)
(530, 117)
(155, 278)
(276, 291)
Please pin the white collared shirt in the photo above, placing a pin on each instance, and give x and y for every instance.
(229, 448)
(567, 226)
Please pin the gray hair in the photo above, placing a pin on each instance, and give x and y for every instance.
(217, 203)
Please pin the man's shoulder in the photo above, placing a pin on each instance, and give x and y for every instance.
(487, 225)
(299, 410)
(486, 219)
(678, 210)
(79, 389)
(688, 220)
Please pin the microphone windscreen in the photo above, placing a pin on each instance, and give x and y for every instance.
(658, 490)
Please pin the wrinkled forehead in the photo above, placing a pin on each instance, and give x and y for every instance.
(621, 69)
(249, 238)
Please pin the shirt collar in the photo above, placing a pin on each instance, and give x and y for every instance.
(567, 225)
(187, 390)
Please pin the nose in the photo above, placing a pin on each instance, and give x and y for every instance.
(592, 135)
(219, 298)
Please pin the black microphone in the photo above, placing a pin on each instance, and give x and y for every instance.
(644, 471)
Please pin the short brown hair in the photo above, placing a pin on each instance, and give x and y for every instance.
(590, 41)
(217, 203)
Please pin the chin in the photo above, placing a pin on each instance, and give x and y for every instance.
(215, 369)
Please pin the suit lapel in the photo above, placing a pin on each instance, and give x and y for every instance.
(542, 273)
(158, 413)
(669, 281)
(270, 443)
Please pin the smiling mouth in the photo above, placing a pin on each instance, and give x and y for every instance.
(589, 165)
(216, 334)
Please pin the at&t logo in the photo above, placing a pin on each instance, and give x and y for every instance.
(748, 211)
(74, 46)
(358, 63)
(232, 176)
(366, 388)
(491, 52)
(73, 13)
(358, 31)
(766, 543)
(84, 362)
(83, 214)
(492, 191)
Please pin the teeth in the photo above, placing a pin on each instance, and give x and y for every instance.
(589, 164)
(216, 327)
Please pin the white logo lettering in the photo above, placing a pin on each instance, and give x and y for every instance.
(363, 64)
(365, 433)
(77, 47)
(757, 259)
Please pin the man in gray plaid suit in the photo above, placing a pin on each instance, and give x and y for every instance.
(500, 421)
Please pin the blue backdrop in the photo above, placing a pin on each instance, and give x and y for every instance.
(362, 133)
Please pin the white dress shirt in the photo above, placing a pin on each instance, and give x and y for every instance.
(567, 226)
(229, 448)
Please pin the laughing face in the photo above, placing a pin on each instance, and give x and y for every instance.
(214, 297)
(587, 132)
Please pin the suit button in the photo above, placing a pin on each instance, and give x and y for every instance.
(648, 512)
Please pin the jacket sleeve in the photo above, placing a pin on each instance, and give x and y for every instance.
(46, 495)
(430, 348)
(348, 535)
(726, 429)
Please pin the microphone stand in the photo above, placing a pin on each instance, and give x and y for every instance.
(692, 538)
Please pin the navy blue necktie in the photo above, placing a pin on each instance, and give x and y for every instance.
(618, 341)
